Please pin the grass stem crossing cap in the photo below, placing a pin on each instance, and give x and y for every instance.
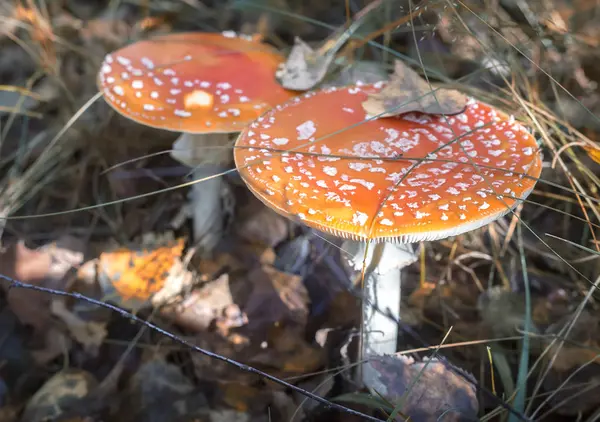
(408, 178)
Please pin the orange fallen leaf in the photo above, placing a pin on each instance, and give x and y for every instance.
(133, 275)
(593, 152)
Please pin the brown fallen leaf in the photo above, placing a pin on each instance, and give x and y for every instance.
(260, 224)
(286, 352)
(44, 267)
(438, 394)
(212, 303)
(90, 334)
(503, 312)
(406, 91)
(64, 390)
(276, 297)
(571, 393)
(581, 347)
(160, 391)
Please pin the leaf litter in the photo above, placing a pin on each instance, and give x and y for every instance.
(272, 295)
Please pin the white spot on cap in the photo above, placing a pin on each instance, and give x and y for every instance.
(306, 130)
(182, 113)
(123, 61)
(280, 141)
(330, 171)
(147, 62)
(198, 98)
(359, 218)
(137, 84)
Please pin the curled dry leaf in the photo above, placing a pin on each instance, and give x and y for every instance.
(438, 394)
(131, 277)
(204, 306)
(406, 91)
(304, 68)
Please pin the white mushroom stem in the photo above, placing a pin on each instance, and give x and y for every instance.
(381, 295)
(205, 196)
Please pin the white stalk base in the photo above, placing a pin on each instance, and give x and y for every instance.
(206, 209)
(205, 196)
(382, 294)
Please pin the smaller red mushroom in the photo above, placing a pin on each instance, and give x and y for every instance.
(204, 85)
(401, 179)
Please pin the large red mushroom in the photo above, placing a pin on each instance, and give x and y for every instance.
(204, 85)
(321, 160)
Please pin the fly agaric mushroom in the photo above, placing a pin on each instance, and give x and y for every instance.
(204, 85)
(401, 179)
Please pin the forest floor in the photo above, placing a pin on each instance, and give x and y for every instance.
(94, 209)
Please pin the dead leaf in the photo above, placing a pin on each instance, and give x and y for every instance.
(406, 91)
(304, 68)
(59, 393)
(212, 303)
(260, 224)
(366, 72)
(276, 297)
(29, 266)
(45, 267)
(242, 397)
(286, 351)
(593, 152)
(573, 392)
(159, 391)
(503, 311)
(438, 394)
(235, 347)
(131, 277)
(90, 334)
(583, 344)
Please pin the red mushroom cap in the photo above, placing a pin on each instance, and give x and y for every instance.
(303, 159)
(193, 82)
